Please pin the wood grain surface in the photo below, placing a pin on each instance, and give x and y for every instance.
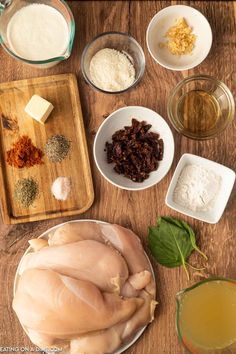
(66, 118)
(136, 210)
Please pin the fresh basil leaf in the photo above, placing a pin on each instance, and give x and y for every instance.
(171, 242)
(193, 239)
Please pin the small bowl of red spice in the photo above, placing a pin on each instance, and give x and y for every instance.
(24, 153)
(134, 148)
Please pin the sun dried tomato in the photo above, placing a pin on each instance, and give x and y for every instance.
(135, 151)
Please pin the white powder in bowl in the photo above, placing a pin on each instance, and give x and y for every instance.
(61, 188)
(197, 188)
(111, 70)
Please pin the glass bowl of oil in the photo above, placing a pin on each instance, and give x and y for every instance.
(200, 107)
(206, 317)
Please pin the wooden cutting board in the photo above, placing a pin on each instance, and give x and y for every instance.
(66, 119)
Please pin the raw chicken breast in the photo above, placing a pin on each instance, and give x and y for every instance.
(38, 243)
(73, 232)
(129, 245)
(140, 280)
(110, 339)
(89, 290)
(106, 341)
(45, 341)
(141, 317)
(64, 307)
(86, 260)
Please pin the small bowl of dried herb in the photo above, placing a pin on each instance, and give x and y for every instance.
(134, 148)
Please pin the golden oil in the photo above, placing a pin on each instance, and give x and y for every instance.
(198, 111)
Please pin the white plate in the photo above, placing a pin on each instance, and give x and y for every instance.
(227, 181)
(46, 235)
(117, 120)
(165, 19)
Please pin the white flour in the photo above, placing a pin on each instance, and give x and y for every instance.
(111, 70)
(197, 188)
(38, 32)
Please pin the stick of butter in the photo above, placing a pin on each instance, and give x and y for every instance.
(39, 108)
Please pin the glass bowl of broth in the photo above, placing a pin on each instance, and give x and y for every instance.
(201, 107)
(206, 317)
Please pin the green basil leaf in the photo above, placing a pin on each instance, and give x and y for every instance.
(171, 242)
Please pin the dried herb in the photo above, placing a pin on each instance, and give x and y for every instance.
(57, 148)
(171, 242)
(24, 153)
(25, 192)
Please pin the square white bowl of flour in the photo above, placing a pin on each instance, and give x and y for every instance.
(200, 188)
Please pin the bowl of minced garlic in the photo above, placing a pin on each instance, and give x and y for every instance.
(179, 37)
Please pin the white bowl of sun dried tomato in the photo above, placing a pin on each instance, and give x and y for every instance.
(134, 148)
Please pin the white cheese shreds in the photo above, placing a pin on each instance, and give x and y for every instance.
(61, 188)
(111, 70)
(197, 188)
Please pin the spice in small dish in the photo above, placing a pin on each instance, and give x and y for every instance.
(10, 123)
(24, 153)
(135, 151)
(112, 70)
(61, 188)
(57, 148)
(197, 188)
(181, 40)
(25, 192)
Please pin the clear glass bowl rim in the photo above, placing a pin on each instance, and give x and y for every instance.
(219, 83)
(60, 58)
(104, 34)
(178, 301)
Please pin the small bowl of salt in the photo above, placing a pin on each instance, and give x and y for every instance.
(113, 62)
(200, 188)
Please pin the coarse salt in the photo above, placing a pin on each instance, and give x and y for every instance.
(61, 188)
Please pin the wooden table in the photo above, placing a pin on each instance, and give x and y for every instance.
(136, 210)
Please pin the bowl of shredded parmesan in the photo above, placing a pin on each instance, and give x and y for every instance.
(113, 62)
(179, 37)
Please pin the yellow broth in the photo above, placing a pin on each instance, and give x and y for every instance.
(207, 315)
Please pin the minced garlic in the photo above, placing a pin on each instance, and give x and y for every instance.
(181, 39)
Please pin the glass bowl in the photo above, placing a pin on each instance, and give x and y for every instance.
(190, 347)
(221, 97)
(115, 40)
(13, 6)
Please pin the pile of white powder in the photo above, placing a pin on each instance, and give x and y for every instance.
(197, 188)
(61, 188)
(111, 70)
